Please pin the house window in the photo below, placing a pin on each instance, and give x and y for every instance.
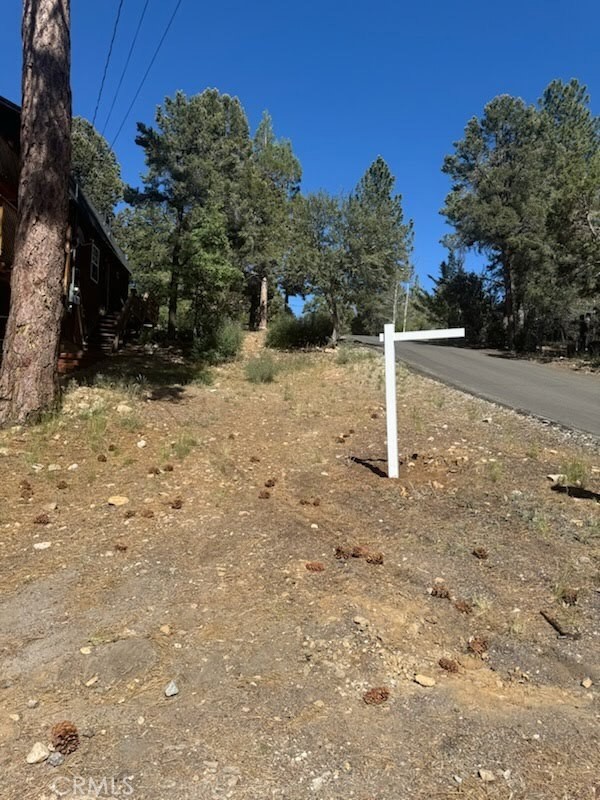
(95, 264)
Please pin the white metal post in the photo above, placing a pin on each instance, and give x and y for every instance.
(389, 337)
(389, 350)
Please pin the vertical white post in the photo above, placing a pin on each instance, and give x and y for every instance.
(389, 350)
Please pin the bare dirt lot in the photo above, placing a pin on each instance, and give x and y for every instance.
(331, 633)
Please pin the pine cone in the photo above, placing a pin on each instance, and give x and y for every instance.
(65, 737)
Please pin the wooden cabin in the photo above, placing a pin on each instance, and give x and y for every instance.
(100, 309)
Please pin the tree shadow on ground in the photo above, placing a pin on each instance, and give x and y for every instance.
(371, 465)
(161, 374)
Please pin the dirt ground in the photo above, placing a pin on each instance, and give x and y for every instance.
(300, 601)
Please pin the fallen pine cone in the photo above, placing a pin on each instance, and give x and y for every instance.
(42, 519)
(342, 553)
(264, 494)
(121, 548)
(64, 737)
(448, 664)
(129, 513)
(154, 471)
(359, 552)
(480, 552)
(147, 513)
(316, 502)
(25, 484)
(315, 566)
(478, 645)
(569, 596)
(168, 467)
(270, 483)
(112, 447)
(377, 696)
(177, 503)
(254, 459)
(374, 415)
(439, 589)
(102, 458)
(62, 485)
(375, 558)
(463, 606)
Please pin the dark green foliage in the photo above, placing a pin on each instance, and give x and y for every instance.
(289, 333)
(261, 369)
(95, 167)
(220, 345)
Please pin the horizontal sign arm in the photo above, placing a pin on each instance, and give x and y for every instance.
(415, 336)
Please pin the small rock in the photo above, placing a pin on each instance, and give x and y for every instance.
(54, 467)
(4, 451)
(587, 683)
(361, 622)
(42, 545)
(14, 717)
(123, 408)
(51, 506)
(424, 680)
(73, 467)
(56, 759)
(85, 650)
(487, 420)
(556, 478)
(33, 703)
(141, 444)
(486, 775)
(166, 629)
(38, 753)
(171, 689)
(118, 500)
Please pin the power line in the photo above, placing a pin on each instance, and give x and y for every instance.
(135, 36)
(143, 81)
(108, 55)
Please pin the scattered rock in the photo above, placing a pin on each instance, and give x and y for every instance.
(171, 689)
(315, 566)
(487, 420)
(141, 444)
(51, 506)
(14, 717)
(33, 703)
(425, 680)
(129, 513)
(376, 696)
(38, 753)
(486, 775)
(54, 467)
(123, 408)
(556, 477)
(56, 759)
(166, 629)
(118, 500)
(361, 622)
(42, 545)
(587, 683)
(73, 467)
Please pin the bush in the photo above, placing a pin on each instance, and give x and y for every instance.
(261, 370)
(221, 344)
(290, 333)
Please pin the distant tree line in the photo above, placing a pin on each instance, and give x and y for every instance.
(526, 195)
(220, 210)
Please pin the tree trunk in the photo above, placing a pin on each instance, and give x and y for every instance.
(262, 308)
(174, 286)
(509, 304)
(28, 375)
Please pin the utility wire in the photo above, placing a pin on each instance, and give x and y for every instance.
(108, 55)
(128, 59)
(143, 81)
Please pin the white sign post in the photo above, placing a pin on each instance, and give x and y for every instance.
(389, 337)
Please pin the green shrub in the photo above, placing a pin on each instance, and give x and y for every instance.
(289, 333)
(219, 345)
(261, 369)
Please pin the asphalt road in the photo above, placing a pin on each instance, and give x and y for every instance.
(562, 396)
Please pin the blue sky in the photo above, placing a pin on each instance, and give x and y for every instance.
(344, 81)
